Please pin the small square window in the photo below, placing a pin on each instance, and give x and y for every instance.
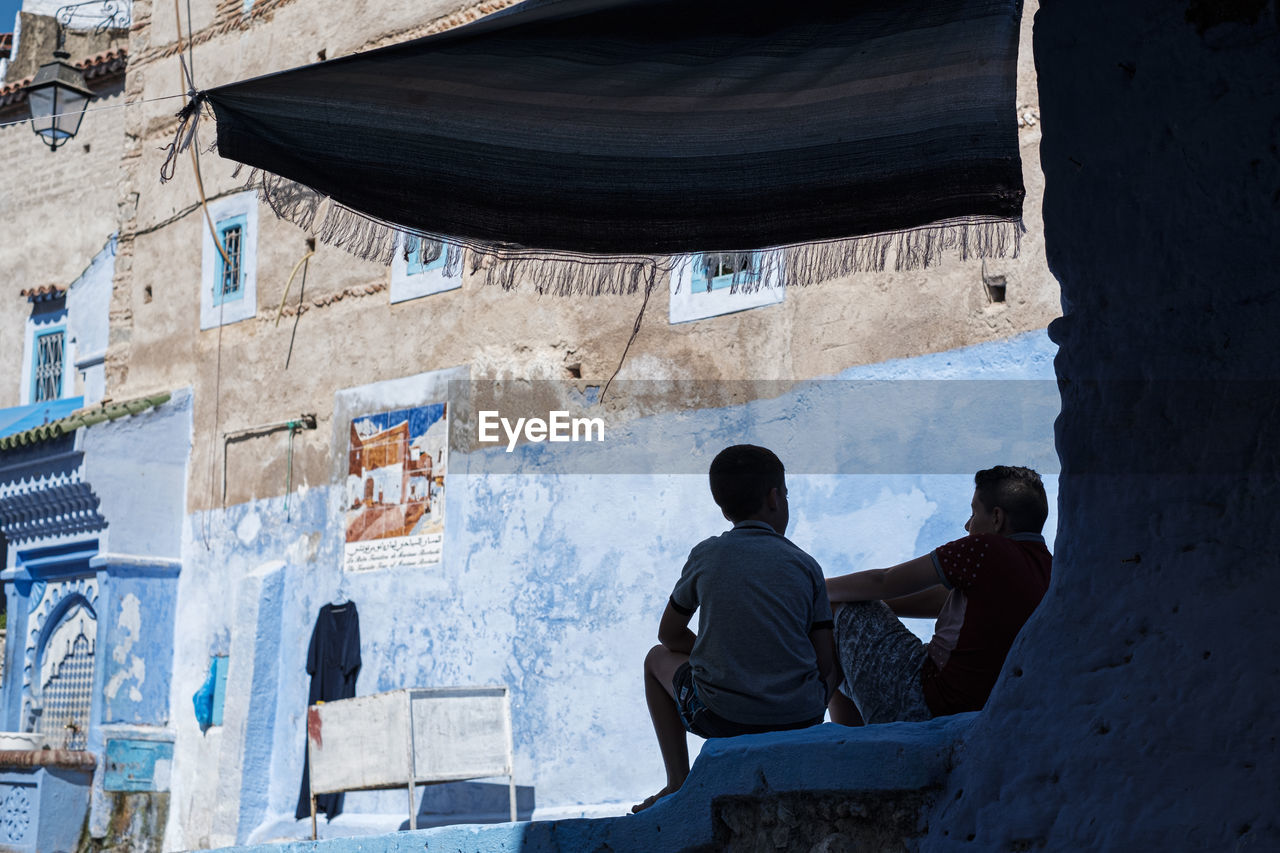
(422, 266)
(422, 254)
(721, 270)
(228, 286)
(47, 366)
(708, 284)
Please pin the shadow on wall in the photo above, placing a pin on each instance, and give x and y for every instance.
(471, 802)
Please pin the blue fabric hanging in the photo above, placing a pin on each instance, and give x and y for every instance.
(203, 700)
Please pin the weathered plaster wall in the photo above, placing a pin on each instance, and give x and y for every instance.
(1137, 712)
(545, 590)
(36, 37)
(138, 468)
(350, 334)
(58, 209)
(88, 301)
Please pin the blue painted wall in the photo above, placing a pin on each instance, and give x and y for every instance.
(135, 631)
(554, 576)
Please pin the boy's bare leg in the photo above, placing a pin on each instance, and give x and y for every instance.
(843, 711)
(660, 667)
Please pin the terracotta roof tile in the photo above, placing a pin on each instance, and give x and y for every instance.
(105, 411)
(44, 292)
(99, 66)
(105, 63)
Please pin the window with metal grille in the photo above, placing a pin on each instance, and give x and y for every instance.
(47, 367)
(229, 284)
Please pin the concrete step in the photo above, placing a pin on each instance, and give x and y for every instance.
(825, 789)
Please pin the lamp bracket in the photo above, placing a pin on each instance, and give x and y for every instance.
(102, 15)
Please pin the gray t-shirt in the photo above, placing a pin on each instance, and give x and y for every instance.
(760, 596)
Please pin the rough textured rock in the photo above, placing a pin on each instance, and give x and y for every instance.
(1136, 712)
(820, 822)
(136, 826)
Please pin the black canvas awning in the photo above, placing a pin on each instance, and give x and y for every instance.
(657, 127)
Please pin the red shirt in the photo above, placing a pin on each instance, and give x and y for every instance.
(995, 583)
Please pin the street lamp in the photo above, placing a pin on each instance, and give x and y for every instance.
(57, 95)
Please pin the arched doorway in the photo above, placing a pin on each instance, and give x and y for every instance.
(62, 692)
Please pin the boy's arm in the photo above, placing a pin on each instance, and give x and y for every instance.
(673, 630)
(824, 646)
(883, 584)
(921, 605)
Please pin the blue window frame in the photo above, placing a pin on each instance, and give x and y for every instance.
(422, 254)
(219, 667)
(722, 270)
(228, 284)
(47, 364)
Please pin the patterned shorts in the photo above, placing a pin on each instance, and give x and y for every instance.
(881, 660)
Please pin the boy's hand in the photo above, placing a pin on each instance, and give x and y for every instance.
(824, 647)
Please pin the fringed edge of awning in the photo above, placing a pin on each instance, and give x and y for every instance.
(573, 274)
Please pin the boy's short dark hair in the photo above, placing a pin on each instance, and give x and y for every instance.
(741, 477)
(1018, 491)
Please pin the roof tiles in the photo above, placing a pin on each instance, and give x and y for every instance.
(99, 66)
(44, 292)
(105, 411)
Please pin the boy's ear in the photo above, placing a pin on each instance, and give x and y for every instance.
(999, 517)
(771, 499)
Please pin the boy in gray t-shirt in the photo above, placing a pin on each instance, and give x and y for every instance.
(763, 658)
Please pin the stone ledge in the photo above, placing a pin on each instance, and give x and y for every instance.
(828, 760)
(68, 758)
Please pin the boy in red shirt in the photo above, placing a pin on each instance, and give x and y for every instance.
(981, 589)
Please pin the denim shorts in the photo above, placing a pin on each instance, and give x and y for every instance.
(700, 720)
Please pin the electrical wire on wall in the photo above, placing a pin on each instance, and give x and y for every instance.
(305, 421)
(186, 79)
(125, 105)
(635, 330)
(304, 263)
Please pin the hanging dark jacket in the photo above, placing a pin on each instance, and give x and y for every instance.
(333, 662)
